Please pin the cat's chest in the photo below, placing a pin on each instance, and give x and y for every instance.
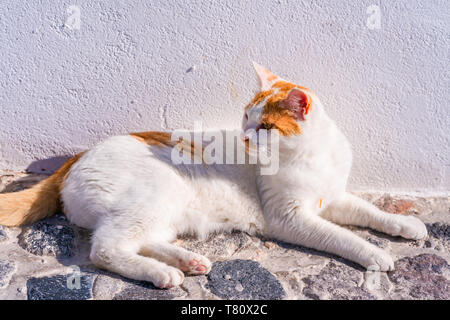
(310, 182)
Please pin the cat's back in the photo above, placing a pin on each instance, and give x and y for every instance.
(106, 173)
(119, 158)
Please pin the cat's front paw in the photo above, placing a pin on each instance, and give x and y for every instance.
(168, 278)
(378, 260)
(408, 227)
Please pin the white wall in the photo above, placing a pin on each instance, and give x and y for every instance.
(62, 90)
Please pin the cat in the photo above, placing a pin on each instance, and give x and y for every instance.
(137, 202)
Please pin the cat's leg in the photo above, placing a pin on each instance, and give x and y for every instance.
(188, 261)
(310, 230)
(351, 210)
(146, 209)
(113, 249)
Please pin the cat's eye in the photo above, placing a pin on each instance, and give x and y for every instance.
(268, 126)
(246, 116)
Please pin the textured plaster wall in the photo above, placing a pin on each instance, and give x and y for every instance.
(152, 65)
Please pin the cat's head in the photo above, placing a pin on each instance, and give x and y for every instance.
(281, 105)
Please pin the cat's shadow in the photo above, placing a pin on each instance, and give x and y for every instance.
(91, 269)
(309, 251)
(385, 236)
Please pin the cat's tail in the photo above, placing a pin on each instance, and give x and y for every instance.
(36, 203)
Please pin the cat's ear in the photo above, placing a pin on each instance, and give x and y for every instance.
(299, 102)
(266, 78)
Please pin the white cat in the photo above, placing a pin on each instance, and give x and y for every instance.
(136, 201)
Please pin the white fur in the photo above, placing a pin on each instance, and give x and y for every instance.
(137, 202)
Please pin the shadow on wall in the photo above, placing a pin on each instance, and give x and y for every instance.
(41, 169)
(49, 165)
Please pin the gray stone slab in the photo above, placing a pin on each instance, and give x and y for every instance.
(421, 277)
(7, 269)
(243, 279)
(336, 281)
(439, 230)
(43, 238)
(60, 287)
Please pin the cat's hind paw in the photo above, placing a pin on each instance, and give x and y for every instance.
(197, 265)
(169, 278)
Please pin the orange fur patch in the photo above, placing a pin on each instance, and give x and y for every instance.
(163, 139)
(275, 113)
(154, 138)
(259, 97)
(38, 202)
(284, 86)
(284, 120)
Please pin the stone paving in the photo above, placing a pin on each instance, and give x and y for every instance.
(49, 260)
